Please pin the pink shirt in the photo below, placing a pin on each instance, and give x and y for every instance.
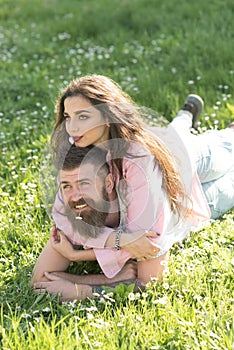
(147, 203)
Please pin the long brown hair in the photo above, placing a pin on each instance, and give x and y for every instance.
(125, 124)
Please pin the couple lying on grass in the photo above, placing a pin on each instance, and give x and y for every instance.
(127, 192)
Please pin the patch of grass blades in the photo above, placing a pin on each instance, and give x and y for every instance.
(159, 52)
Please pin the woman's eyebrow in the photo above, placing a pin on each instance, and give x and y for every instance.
(78, 112)
(82, 111)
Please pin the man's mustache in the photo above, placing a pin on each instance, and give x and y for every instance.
(83, 201)
(74, 204)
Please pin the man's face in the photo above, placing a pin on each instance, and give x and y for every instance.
(85, 198)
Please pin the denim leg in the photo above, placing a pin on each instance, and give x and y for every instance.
(182, 122)
(220, 194)
(213, 151)
(216, 170)
(215, 154)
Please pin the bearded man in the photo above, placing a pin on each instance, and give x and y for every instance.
(93, 206)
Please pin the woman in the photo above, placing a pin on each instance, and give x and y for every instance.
(93, 110)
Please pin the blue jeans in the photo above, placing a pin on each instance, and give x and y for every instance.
(213, 153)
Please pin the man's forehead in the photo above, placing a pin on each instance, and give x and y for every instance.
(83, 171)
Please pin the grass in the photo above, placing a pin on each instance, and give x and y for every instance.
(159, 51)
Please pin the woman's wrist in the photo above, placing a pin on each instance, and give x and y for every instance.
(125, 239)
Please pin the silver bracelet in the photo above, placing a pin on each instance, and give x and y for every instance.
(117, 238)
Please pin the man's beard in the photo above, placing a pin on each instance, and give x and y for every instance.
(90, 221)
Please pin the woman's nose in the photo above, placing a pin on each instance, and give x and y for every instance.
(74, 125)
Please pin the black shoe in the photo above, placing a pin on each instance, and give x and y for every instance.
(194, 104)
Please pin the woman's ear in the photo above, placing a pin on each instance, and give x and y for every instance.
(109, 183)
(107, 121)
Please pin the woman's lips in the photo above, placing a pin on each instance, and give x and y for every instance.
(77, 138)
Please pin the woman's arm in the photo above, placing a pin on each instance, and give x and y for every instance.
(138, 244)
(144, 191)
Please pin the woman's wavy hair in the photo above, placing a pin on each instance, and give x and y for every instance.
(125, 123)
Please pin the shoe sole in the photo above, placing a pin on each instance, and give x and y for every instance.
(198, 102)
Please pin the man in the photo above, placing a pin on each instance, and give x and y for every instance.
(91, 202)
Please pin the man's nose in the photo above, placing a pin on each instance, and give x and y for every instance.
(76, 195)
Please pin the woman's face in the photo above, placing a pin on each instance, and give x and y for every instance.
(84, 123)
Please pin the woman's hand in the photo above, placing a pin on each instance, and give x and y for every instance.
(139, 245)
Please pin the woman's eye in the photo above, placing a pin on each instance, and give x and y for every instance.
(83, 117)
(66, 118)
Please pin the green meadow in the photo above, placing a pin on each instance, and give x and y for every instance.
(159, 51)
